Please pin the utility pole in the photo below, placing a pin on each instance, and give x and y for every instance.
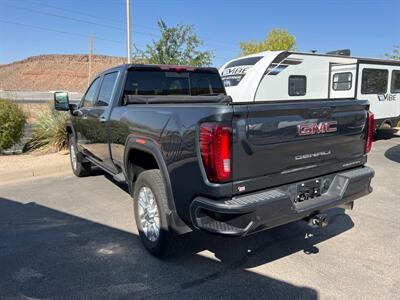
(128, 31)
(90, 57)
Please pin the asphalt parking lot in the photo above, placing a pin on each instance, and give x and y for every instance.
(74, 238)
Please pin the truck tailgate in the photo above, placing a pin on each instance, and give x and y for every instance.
(276, 143)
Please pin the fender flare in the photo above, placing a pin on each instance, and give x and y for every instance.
(152, 148)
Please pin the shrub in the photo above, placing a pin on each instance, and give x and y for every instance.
(49, 131)
(12, 122)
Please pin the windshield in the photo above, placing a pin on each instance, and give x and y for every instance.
(161, 82)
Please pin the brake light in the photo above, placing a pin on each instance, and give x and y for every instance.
(176, 68)
(370, 134)
(215, 149)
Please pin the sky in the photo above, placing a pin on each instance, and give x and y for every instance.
(370, 28)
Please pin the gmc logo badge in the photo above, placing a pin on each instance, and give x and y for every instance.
(316, 128)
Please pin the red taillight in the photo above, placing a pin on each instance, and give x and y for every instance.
(370, 134)
(176, 68)
(215, 149)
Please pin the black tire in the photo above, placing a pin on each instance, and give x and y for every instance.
(167, 242)
(385, 131)
(80, 169)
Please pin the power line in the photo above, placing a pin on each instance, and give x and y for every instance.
(81, 35)
(231, 45)
(77, 20)
(63, 32)
(74, 11)
(88, 15)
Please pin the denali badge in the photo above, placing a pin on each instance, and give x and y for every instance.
(312, 155)
(315, 128)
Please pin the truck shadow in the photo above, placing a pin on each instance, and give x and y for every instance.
(46, 253)
(96, 171)
(263, 247)
(393, 153)
(270, 245)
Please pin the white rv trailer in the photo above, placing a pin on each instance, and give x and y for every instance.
(285, 75)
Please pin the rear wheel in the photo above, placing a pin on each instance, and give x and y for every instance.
(385, 131)
(150, 205)
(79, 168)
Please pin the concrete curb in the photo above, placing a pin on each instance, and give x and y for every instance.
(63, 166)
(33, 173)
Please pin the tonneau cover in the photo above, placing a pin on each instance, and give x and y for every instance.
(151, 99)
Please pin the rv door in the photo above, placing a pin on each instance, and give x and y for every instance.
(342, 81)
(375, 85)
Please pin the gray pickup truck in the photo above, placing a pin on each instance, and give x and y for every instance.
(194, 160)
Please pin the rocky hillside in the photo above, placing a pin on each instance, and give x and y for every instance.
(53, 72)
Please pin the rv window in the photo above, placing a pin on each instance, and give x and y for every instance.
(297, 85)
(374, 81)
(342, 81)
(395, 82)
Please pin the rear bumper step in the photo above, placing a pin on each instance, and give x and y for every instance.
(246, 214)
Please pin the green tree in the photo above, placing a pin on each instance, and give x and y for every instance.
(277, 39)
(395, 54)
(178, 45)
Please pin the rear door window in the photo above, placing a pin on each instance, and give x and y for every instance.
(374, 81)
(236, 70)
(107, 88)
(395, 87)
(297, 85)
(91, 93)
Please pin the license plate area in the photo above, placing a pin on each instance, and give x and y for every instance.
(308, 190)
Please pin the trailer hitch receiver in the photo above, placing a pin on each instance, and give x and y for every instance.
(318, 220)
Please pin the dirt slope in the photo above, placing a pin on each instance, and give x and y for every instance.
(53, 72)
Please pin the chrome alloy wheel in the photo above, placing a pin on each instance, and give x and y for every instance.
(72, 153)
(149, 215)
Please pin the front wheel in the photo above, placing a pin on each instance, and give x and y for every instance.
(150, 204)
(79, 168)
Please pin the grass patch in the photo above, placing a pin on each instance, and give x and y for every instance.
(49, 131)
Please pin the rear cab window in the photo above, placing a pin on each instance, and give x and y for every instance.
(158, 82)
(395, 86)
(374, 81)
(106, 89)
(236, 70)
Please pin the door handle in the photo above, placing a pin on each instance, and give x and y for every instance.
(102, 119)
